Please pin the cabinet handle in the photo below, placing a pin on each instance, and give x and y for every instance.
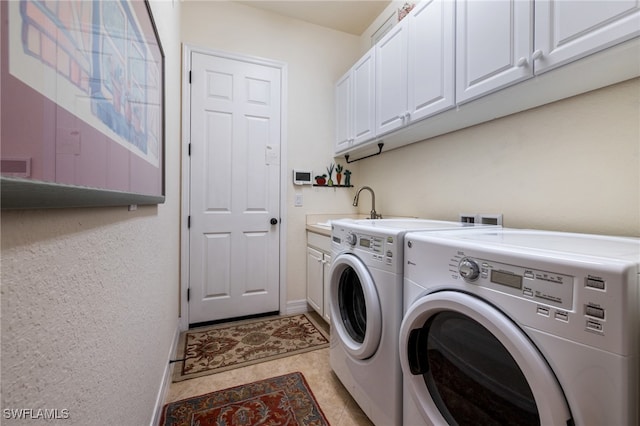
(522, 62)
(536, 55)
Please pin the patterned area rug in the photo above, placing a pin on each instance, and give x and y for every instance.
(284, 400)
(209, 350)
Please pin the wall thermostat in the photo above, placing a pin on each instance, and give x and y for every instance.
(302, 177)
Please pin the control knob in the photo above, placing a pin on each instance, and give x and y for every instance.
(351, 238)
(469, 269)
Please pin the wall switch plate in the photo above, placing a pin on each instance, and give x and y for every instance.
(298, 201)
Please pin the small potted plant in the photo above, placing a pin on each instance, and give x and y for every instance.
(321, 179)
(330, 171)
(338, 173)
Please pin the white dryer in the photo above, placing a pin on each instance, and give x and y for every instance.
(520, 327)
(365, 299)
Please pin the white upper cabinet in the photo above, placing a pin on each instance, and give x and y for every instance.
(391, 79)
(415, 66)
(364, 98)
(344, 112)
(499, 43)
(431, 62)
(494, 42)
(425, 76)
(569, 30)
(355, 104)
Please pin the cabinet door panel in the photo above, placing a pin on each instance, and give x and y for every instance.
(364, 99)
(343, 112)
(327, 285)
(493, 45)
(431, 58)
(391, 80)
(568, 30)
(315, 279)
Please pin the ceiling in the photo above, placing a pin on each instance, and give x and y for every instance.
(349, 16)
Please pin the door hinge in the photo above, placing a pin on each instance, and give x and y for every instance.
(189, 76)
(188, 294)
(189, 221)
(189, 149)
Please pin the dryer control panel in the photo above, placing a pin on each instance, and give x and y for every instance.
(544, 286)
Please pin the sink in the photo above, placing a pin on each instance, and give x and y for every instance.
(404, 223)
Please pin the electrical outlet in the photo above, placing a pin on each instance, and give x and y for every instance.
(468, 218)
(298, 201)
(491, 219)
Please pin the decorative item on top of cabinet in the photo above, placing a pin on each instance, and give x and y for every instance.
(404, 10)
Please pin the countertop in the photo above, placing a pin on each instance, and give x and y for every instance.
(320, 223)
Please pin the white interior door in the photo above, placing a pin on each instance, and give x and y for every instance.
(235, 188)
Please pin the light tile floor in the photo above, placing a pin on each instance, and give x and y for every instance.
(334, 400)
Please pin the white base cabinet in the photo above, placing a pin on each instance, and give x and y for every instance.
(318, 264)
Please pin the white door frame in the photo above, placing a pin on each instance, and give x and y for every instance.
(187, 50)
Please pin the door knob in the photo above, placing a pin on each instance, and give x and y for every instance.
(274, 221)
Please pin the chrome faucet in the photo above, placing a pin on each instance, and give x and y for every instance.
(374, 215)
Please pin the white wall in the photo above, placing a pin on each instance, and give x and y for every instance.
(90, 295)
(316, 58)
(572, 165)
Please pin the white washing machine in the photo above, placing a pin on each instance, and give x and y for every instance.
(366, 310)
(520, 327)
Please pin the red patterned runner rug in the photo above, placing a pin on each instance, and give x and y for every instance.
(283, 400)
(209, 350)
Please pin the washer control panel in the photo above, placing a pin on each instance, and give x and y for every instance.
(383, 250)
(543, 286)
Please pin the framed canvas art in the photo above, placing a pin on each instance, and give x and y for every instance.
(82, 104)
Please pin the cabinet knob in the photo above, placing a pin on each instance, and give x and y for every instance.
(522, 62)
(274, 221)
(537, 54)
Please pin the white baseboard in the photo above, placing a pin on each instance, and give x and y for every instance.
(166, 379)
(296, 307)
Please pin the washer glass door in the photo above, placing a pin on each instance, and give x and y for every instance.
(468, 364)
(355, 308)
